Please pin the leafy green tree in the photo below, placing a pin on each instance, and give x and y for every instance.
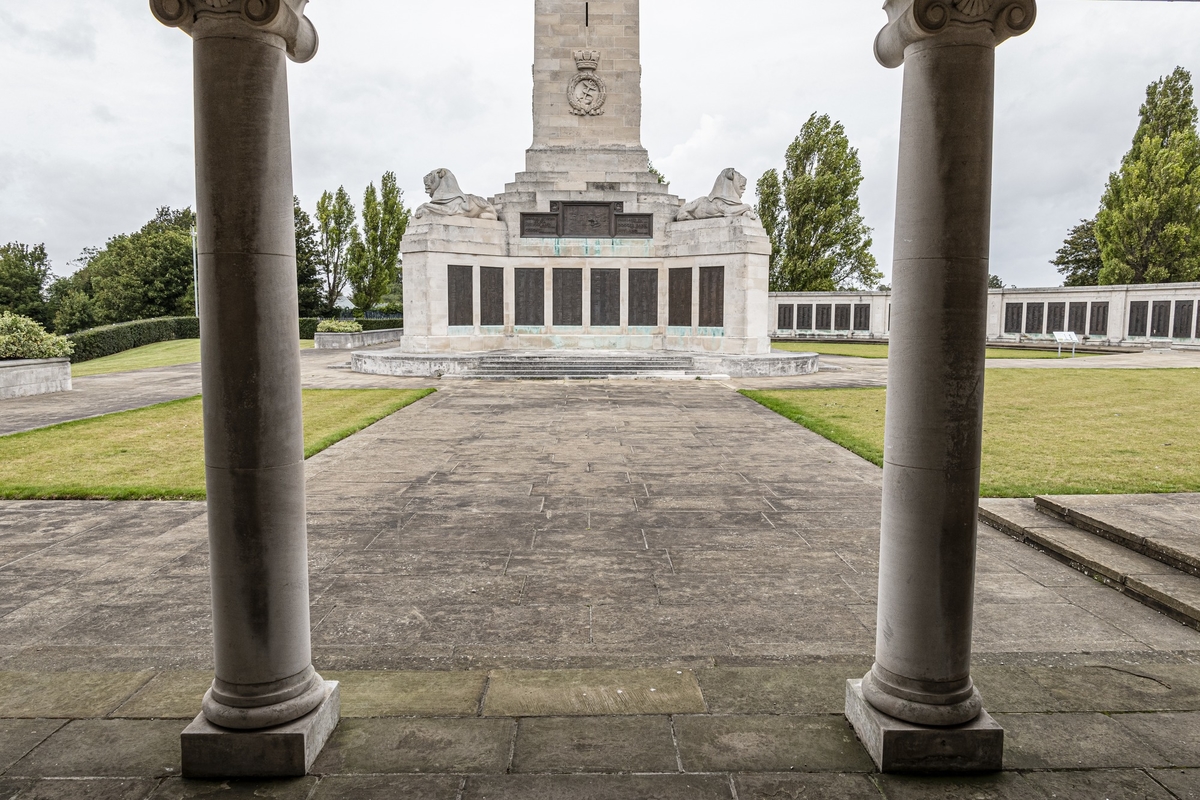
(24, 273)
(375, 259)
(336, 236)
(1078, 260)
(1148, 227)
(138, 275)
(995, 282)
(819, 240)
(308, 260)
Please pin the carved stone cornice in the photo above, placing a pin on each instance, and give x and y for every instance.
(284, 18)
(913, 21)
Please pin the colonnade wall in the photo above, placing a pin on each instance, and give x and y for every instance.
(1112, 316)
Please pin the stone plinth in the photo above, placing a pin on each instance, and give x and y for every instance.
(897, 746)
(285, 751)
(27, 377)
(352, 341)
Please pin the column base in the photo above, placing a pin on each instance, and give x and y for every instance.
(285, 751)
(897, 746)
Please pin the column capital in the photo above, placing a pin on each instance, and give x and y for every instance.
(913, 21)
(284, 18)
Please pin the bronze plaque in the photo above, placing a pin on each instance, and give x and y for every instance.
(461, 291)
(606, 297)
(530, 301)
(539, 226)
(491, 296)
(587, 220)
(679, 297)
(643, 298)
(712, 297)
(635, 226)
(568, 297)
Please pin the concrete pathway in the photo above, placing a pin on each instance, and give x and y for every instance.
(599, 590)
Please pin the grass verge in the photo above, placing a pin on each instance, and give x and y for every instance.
(162, 354)
(157, 453)
(1045, 431)
(874, 350)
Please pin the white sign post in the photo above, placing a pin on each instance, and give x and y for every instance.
(1066, 337)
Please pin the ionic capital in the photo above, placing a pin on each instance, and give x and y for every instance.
(914, 21)
(284, 18)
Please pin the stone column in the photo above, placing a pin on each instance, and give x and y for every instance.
(253, 430)
(922, 672)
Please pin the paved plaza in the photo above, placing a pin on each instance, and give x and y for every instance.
(574, 590)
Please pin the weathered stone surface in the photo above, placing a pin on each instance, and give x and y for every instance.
(1073, 741)
(387, 787)
(29, 377)
(401, 694)
(1176, 736)
(1183, 783)
(1108, 784)
(19, 736)
(594, 744)
(66, 694)
(182, 789)
(104, 748)
(556, 693)
(87, 789)
(769, 744)
(172, 694)
(898, 746)
(283, 751)
(778, 690)
(589, 787)
(385, 746)
(802, 787)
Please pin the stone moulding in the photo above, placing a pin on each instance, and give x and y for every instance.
(913, 21)
(284, 18)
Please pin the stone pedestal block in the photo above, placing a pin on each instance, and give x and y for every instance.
(285, 751)
(897, 746)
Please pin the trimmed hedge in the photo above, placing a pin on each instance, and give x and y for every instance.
(110, 339)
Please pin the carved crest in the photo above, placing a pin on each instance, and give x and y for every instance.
(973, 8)
(586, 92)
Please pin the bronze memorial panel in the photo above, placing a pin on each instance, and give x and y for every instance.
(491, 296)
(679, 298)
(712, 297)
(530, 299)
(460, 288)
(643, 298)
(606, 297)
(568, 297)
(587, 220)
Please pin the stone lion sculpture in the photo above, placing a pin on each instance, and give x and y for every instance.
(447, 200)
(725, 200)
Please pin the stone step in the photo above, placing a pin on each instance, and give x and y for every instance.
(581, 365)
(1163, 527)
(1150, 581)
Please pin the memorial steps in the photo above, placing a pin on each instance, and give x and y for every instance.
(1144, 546)
(565, 364)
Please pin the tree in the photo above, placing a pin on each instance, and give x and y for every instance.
(308, 260)
(819, 241)
(24, 273)
(336, 234)
(134, 276)
(1148, 227)
(995, 282)
(1078, 260)
(375, 260)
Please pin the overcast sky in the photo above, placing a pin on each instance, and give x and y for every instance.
(96, 105)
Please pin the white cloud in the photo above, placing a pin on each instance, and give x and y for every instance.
(102, 130)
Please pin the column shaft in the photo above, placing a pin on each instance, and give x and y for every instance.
(935, 386)
(253, 428)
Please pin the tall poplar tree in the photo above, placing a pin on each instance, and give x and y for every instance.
(819, 240)
(375, 260)
(336, 236)
(1148, 227)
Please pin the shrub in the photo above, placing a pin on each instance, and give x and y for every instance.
(308, 327)
(339, 326)
(110, 339)
(21, 337)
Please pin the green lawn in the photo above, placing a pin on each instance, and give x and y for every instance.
(162, 354)
(1060, 431)
(157, 453)
(870, 350)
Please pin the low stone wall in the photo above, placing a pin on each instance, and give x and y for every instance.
(26, 377)
(353, 341)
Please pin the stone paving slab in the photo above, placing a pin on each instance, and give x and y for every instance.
(630, 533)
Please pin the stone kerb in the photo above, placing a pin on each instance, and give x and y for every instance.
(28, 377)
